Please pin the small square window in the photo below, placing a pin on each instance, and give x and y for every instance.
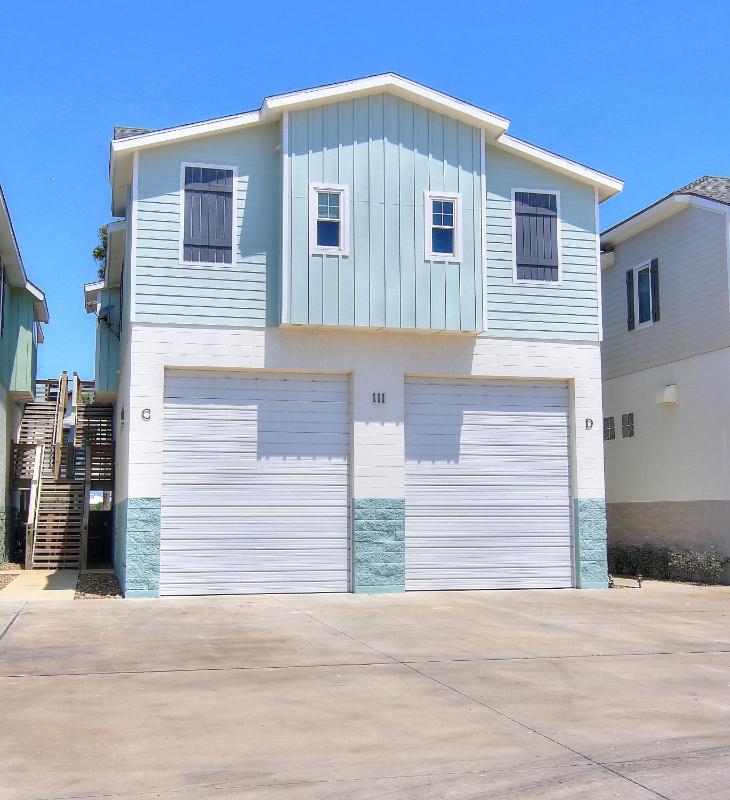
(442, 234)
(627, 425)
(609, 429)
(328, 219)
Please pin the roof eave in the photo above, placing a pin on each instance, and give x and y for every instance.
(607, 185)
(40, 306)
(655, 213)
(14, 265)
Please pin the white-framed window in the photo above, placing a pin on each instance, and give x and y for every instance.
(207, 213)
(536, 236)
(643, 299)
(328, 218)
(443, 226)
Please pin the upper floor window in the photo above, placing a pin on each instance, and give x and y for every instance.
(627, 425)
(537, 236)
(328, 215)
(609, 429)
(642, 295)
(443, 226)
(208, 212)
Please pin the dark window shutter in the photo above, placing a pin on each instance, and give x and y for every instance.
(654, 273)
(630, 299)
(208, 220)
(536, 235)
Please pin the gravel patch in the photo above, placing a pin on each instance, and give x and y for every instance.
(5, 579)
(10, 566)
(97, 586)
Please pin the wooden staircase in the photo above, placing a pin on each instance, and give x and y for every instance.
(61, 516)
(61, 473)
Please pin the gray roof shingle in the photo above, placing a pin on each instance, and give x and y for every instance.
(710, 186)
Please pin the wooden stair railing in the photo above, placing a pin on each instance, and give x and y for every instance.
(61, 402)
(33, 505)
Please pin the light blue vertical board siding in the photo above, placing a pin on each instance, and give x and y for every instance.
(423, 267)
(389, 153)
(407, 203)
(299, 219)
(107, 344)
(346, 276)
(568, 310)
(376, 177)
(316, 173)
(331, 174)
(360, 236)
(198, 297)
(392, 212)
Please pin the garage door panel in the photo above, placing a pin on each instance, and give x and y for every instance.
(255, 488)
(487, 485)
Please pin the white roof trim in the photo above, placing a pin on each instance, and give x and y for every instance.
(14, 264)
(273, 107)
(607, 186)
(40, 305)
(656, 213)
(91, 295)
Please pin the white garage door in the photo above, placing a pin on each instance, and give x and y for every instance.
(487, 485)
(255, 483)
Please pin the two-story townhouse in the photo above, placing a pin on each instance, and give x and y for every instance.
(22, 310)
(666, 368)
(358, 349)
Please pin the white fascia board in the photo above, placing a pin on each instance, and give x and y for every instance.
(40, 306)
(273, 107)
(606, 185)
(398, 85)
(91, 295)
(9, 250)
(116, 240)
(656, 213)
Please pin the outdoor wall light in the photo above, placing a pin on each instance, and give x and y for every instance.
(146, 414)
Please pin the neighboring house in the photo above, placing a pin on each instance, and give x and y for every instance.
(358, 350)
(22, 310)
(666, 369)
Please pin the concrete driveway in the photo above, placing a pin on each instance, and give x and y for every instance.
(560, 694)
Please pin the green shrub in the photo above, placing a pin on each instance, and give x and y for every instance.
(701, 566)
(651, 561)
(663, 563)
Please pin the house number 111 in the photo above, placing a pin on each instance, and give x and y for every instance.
(378, 397)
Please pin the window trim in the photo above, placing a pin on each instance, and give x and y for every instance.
(452, 197)
(343, 249)
(181, 216)
(609, 428)
(636, 270)
(558, 231)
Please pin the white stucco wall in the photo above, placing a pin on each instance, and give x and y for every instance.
(678, 453)
(376, 362)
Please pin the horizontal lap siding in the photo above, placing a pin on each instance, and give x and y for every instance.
(568, 310)
(388, 152)
(693, 285)
(224, 294)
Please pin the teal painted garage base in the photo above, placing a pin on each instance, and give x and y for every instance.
(378, 545)
(591, 568)
(137, 546)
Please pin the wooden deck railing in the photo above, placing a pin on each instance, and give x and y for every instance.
(22, 459)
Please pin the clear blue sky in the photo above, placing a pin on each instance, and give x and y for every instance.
(637, 89)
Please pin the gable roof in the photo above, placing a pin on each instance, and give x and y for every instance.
(128, 140)
(709, 191)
